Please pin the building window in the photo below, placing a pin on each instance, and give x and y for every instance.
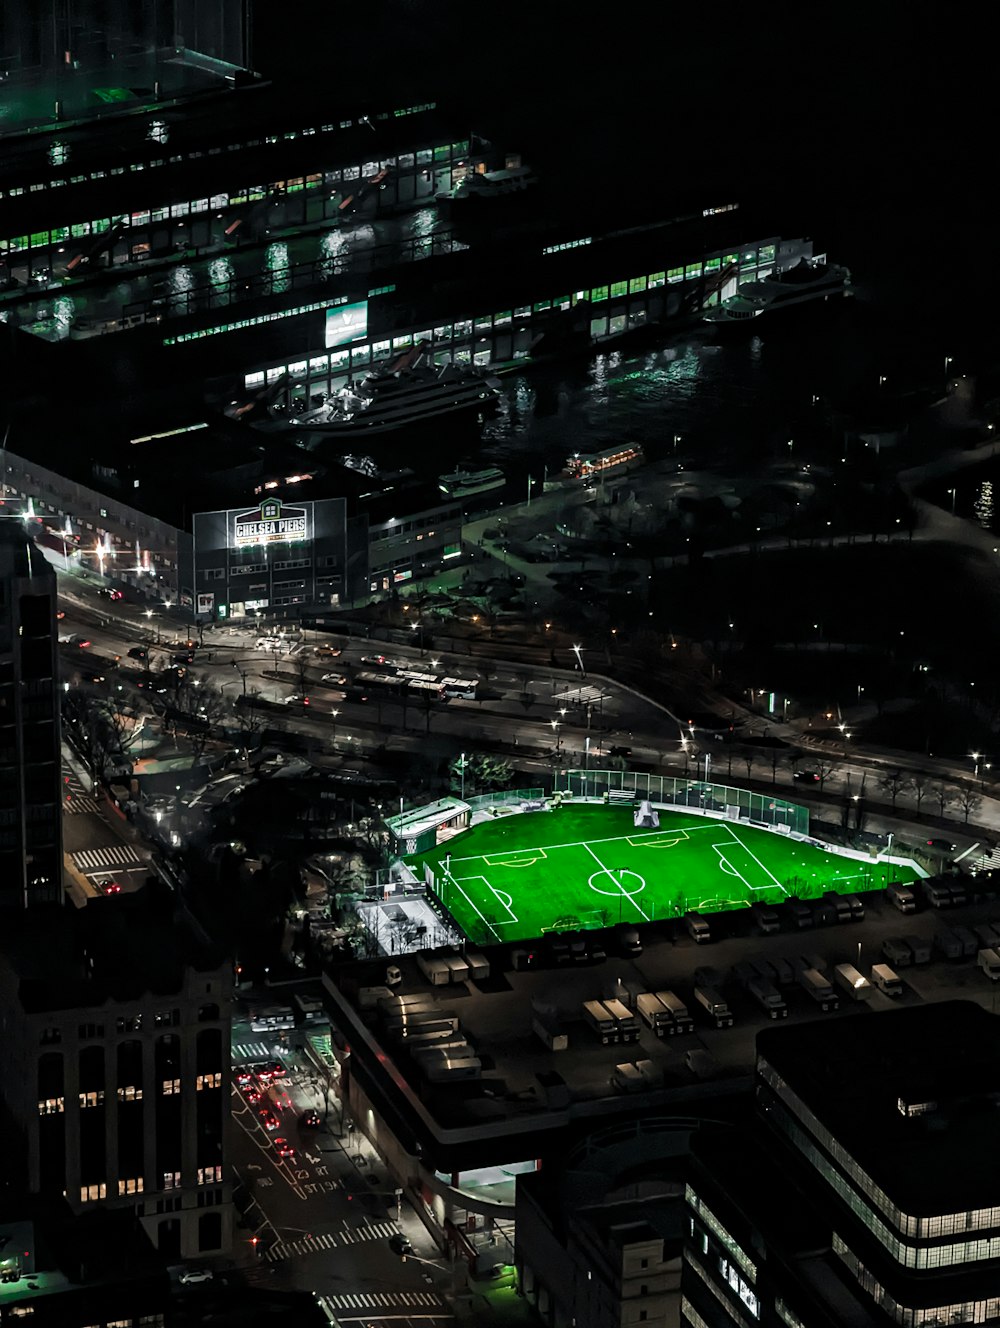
(171, 1180)
(50, 1036)
(51, 1106)
(92, 1099)
(91, 1193)
(131, 1186)
(209, 1175)
(171, 1086)
(208, 1081)
(214, 573)
(91, 1030)
(133, 1025)
(130, 1093)
(167, 1019)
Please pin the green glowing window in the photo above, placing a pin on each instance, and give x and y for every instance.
(60, 233)
(542, 305)
(400, 343)
(313, 181)
(713, 265)
(598, 293)
(730, 258)
(484, 324)
(161, 214)
(502, 317)
(443, 333)
(18, 242)
(80, 229)
(463, 328)
(39, 238)
(636, 285)
(443, 152)
(675, 274)
(692, 271)
(561, 302)
(451, 550)
(656, 279)
(295, 186)
(459, 149)
(199, 205)
(236, 198)
(750, 257)
(767, 253)
(618, 288)
(101, 224)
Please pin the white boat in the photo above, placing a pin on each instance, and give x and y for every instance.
(487, 186)
(403, 393)
(809, 280)
(467, 483)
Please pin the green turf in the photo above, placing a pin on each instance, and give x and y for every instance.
(521, 875)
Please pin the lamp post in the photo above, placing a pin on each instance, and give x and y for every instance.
(241, 672)
(586, 766)
(558, 735)
(334, 713)
(579, 659)
(462, 769)
(975, 759)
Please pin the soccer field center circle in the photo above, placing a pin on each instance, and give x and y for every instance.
(617, 878)
(517, 875)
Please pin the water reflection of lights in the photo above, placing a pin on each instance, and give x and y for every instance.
(983, 507)
(276, 263)
(180, 283)
(332, 247)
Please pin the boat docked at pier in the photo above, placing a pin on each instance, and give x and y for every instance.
(405, 392)
(807, 281)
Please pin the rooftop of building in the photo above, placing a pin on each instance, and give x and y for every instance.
(911, 1094)
(527, 1094)
(19, 556)
(119, 948)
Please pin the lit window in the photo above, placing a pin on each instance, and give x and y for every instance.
(208, 1081)
(130, 1093)
(209, 1175)
(92, 1099)
(51, 1106)
(171, 1086)
(131, 1186)
(171, 1180)
(91, 1193)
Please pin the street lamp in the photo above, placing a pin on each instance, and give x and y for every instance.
(462, 768)
(558, 735)
(975, 757)
(953, 492)
(334, 713)
(579, 659)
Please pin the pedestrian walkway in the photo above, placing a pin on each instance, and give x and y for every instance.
(112, 855)
(290, 1249)
(76, 804)
(251, 1051)
(383, 1300)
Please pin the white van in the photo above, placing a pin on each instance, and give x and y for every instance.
(886, 980)
(989, 962)
(903, 897)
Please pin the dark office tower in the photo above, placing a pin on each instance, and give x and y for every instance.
(866, 1192)
(114, 1065)
(30, 796)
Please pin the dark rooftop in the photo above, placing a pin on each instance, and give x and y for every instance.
(115, 949)
(912, 1095)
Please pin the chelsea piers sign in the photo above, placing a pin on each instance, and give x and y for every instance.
(273, 523)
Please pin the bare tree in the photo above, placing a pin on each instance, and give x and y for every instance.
(89, 733)
(824, 768)
(942, 795)
(920, 784)
(749, 757)
(969, 801)
(894, 782)
(125, 721)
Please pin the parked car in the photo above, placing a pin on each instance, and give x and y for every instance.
(806, 776)
(107, 593)
(940, 845)
(194, 1276)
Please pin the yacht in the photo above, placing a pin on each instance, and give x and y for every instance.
(402, 393)
(469, 483)
(809, 280)
(486, 186)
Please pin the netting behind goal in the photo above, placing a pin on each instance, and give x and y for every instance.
(696, 795)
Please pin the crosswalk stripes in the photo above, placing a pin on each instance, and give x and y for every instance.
(249, 1051)
(988, 861)
(310, 1244)
(374, 1231)
(383, 1300)
(112, 855)
(77, 803)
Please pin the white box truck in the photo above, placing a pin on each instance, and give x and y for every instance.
(714, 1006)
(765, 919)
(697, 928)
(627, 1078)
(549, 1031)
(443, 1071)
(678, 1009)
(886, 980)
(628, 1024)
(602, 1021)
(655, 1014)
(459, 967)
(818, 989)
(768, 998)
(434, 969)
(902, 897)
(853, 983)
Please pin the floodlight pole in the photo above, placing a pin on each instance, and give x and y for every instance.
(463, 776)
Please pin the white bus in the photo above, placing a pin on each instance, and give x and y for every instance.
(271, 1018)
(463, 689)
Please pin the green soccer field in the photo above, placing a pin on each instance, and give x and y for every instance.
(522, 875)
